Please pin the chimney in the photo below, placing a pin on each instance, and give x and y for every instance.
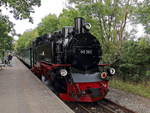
(79, 23)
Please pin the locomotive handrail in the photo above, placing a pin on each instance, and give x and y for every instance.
(103, 64)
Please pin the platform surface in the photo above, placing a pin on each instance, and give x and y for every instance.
(22, 92)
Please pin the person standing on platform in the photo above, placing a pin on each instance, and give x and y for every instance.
(9, 57)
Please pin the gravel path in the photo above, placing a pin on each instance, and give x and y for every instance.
(131, 101)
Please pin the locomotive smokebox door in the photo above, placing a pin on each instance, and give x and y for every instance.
(79, 25)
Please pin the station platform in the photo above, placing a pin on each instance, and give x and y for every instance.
(23, 92)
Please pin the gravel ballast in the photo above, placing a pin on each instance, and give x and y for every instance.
(136, 103)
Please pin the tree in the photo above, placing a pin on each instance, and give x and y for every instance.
(66, 18)
(20, 8)
(109, 19)
(5, 25)
(49, 24)
(111, 15)
(135, 60)
(25, 40)
(5, 39)
(143, 15)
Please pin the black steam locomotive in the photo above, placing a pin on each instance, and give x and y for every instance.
(68, 60)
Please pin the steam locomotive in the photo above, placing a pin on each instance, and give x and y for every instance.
(68, 60)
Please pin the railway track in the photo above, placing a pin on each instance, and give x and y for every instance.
(104, 106)
(112, 107)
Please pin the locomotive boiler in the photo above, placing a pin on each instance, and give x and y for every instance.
(68, 61)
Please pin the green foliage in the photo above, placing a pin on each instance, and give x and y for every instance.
(49, 24)
(143, 15)
(135, 60)
(25, 40)
(6, 43)
(5, 25)
(5, 39)
(111, 16)
(66, 18)
(20, 8)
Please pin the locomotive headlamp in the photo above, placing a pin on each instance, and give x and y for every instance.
(87, 26)
(112, 71)
(63, 72)
(103, 75)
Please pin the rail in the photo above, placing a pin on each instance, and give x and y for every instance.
(104, 106)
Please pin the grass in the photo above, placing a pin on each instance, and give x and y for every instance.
(138, 89)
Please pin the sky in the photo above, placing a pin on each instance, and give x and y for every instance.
(47, 6)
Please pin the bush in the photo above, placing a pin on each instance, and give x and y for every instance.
(134, 62)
